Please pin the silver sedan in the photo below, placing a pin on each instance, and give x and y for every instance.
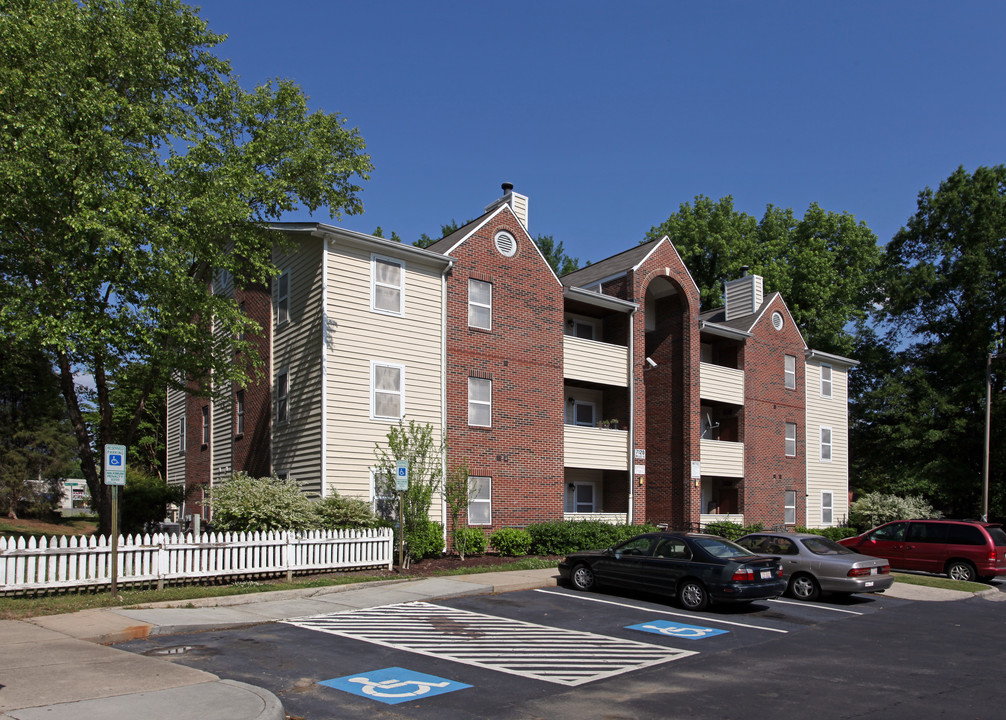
(812, 564)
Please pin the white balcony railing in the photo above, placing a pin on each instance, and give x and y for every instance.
(722, 384)
(721, 458)
(595, 361)
(587, 447)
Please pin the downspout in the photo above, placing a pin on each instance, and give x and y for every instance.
(443, 391)
(324, 366)
(632, 416)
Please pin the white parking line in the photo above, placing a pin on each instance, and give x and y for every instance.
(819, 607)
(705, 618)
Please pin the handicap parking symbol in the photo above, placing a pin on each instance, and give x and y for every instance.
(676, 629)
(394, 685)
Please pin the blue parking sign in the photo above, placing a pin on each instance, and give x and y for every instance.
(115, 464)
(394, 685)
(676, 630)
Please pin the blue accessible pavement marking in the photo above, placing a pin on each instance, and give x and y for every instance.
(394, 685)
(676, 629)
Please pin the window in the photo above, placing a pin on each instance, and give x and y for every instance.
(206, 425)
(826, 381)
(283, 396)
(827, 507)
(579, 412)
(388, 390)
(480, 304)
(825, 444)
(283, 299)
(791, 372)
(239, 412)
(790, 439)
(388, 287)
(582, 498)
(181, 435)
(480, 506)
(584, 329)
(789, 505)
(383, 504)
(480, 402)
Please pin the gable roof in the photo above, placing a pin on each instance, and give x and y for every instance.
(715, 319)
(610, 267)
(447, 243)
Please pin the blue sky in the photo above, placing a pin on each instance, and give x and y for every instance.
(609, 115)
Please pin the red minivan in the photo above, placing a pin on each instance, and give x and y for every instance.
(963, 549)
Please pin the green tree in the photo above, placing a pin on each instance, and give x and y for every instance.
(825, 264)
(134, 170)
(555, 255)
(944, 311)
(36, 444)
(145, 500)
(414, 443)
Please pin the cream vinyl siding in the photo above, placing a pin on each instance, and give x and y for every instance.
(222, 406)
(721, 383)
(586, 447)
(595, 361)
(296, 444)
(175, 470)
(722, 458)
(358, 337)
(830, 412)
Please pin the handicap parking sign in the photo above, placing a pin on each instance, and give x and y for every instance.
(394, 685)
(676, 629)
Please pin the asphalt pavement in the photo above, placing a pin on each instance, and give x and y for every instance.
(60, 667)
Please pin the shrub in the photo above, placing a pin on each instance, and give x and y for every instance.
(562, 538)
(469, 541)
(247, 504)
(877, 508)
(511, 541)
(832, 533)
(145, 500)
(341, 513)
(425, 539)
(731, 530)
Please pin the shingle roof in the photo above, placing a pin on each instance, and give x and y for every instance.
(609, 267)
(445, 244)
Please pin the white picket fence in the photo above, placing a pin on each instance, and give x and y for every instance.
(76, 562)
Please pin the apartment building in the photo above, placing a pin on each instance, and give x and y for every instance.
(604, 394)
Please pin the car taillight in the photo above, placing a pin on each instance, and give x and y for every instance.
(886, 570)
(992, 556)
(743, 574)
(858, 572)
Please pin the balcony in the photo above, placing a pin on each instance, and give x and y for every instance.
(610, 518)
(721, 458)
(587, 447)
(595, 362)
(721, 384)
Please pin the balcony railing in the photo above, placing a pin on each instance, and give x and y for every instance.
(721, 458)
(610, 518)
(594, 361)
(587, 447)
(722, 384)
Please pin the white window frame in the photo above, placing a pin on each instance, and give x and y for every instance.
(206, 425)
(826, 383)
(474, 304)
(376, 498)
(375, 261)
(374, 364)
(789, 507)
(283, 396)
(827, 507)
(181, 435)
(283, 299)
(574, 323)
(577, 404)
(476, 404)
(574, 505)
(474, 497)
(827, 445)
(791, 441)
(239, 412)
(790, 372)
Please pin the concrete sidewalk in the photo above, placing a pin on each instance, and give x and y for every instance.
(58, 667)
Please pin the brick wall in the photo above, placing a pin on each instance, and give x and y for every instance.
(522, 355)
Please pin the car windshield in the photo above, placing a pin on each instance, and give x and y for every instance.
(721, 548)
(824, 546)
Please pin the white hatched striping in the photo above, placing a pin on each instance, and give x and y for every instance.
(566, 657)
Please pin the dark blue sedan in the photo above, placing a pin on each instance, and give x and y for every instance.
(695, 569)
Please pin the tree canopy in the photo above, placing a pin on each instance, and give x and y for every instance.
(919, 423)
(824, 263)
(134, 170)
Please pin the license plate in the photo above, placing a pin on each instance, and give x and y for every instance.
(766, 574)
(869, 583)
(874, 571)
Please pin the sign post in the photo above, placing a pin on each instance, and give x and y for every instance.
(401, 485)
(115, 476)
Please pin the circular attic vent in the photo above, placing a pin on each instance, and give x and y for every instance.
(506, 244)
(777, 320)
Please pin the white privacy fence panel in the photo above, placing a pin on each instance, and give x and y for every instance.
(70, 562)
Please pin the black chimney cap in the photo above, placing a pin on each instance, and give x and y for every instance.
(507, 187)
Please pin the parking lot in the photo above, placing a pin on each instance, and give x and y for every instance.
(559, 653)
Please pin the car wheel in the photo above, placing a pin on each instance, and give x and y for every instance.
(693, 596)
(804, 587)
(961, 570)
(583, 577)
